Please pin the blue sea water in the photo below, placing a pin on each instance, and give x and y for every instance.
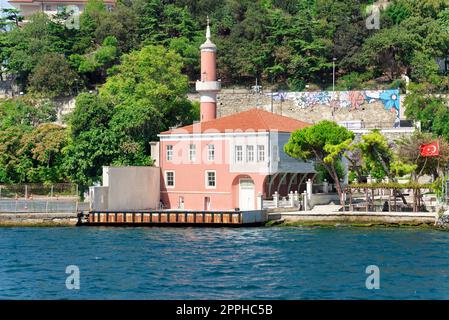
(248, 263)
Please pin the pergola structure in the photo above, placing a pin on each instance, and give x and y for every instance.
(388, 192)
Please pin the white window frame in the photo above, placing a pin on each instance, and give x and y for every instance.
(249, 158)
(211, 152)
(166, 179)
(192, 152)
(260, 151)
(236, 153)
(206, 179)
(169, 152)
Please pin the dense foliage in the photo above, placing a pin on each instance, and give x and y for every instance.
(144, 95)
(286, 43)
(325, 142)
(30, 147)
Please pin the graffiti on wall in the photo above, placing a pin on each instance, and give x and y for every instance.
(351, 100)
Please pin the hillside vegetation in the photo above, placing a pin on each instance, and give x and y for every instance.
(289, 43)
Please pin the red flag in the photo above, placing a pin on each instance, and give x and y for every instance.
(430, 150)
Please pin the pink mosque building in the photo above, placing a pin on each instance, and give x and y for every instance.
(230, 162)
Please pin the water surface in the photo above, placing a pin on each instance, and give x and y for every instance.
(249, 263)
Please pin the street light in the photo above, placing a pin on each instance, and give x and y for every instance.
(333, 73)
(333, 86)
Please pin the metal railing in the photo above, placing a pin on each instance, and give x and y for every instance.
(360, 125)
(40, 198)
(42, 206)
(38, 190)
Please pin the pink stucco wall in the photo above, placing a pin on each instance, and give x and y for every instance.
(208, 111)
(190, 181)
(208, 66)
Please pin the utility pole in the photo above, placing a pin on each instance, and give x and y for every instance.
(333, 73)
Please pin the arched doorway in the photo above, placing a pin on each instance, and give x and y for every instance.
(247, 194)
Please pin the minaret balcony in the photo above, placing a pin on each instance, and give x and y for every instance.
(208, 86)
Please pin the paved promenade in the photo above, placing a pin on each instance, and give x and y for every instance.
(331, 213)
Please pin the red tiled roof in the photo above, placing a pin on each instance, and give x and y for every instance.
(254, 119)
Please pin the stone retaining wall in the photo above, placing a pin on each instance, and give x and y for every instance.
(232, 101)
(358, 218)
(30, 219)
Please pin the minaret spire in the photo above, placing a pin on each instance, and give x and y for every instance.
(208, 86)
(208, 36)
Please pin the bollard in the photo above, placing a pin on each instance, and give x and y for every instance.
(305, 200)
(296, 196)
(325, 186)
(276, 199)
(309, 188)
(291, 199)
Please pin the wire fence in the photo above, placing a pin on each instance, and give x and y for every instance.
(40, 198)
(32, 191)
(42, 206)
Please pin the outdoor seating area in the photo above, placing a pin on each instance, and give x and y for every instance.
(391, 197)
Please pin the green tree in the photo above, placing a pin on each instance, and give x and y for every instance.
(53, 77)
(41, 150)
(408, 152)
(120, 23)
(91, 144)
(27, 46)
(18, 119)
(144, 95)
(326, 143)
(423, 68)
(86, 154)
(10, 166)
(376, 153)
(148, 92)
(428, 108)
(25, 112)
(94, 65)
(12, 16)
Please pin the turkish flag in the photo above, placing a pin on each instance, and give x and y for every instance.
(430, 150)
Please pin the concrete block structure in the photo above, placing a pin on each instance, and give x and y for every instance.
(127, 188)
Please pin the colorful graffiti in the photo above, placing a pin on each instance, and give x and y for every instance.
(352, 100)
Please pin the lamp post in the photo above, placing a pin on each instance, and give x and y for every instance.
(333, 73)
(333, 86)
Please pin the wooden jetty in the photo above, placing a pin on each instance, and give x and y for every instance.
(174, 218)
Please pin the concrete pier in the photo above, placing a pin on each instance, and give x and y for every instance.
(172, 218)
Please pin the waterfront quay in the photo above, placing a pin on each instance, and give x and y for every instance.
(333, 214)
(174, 218)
